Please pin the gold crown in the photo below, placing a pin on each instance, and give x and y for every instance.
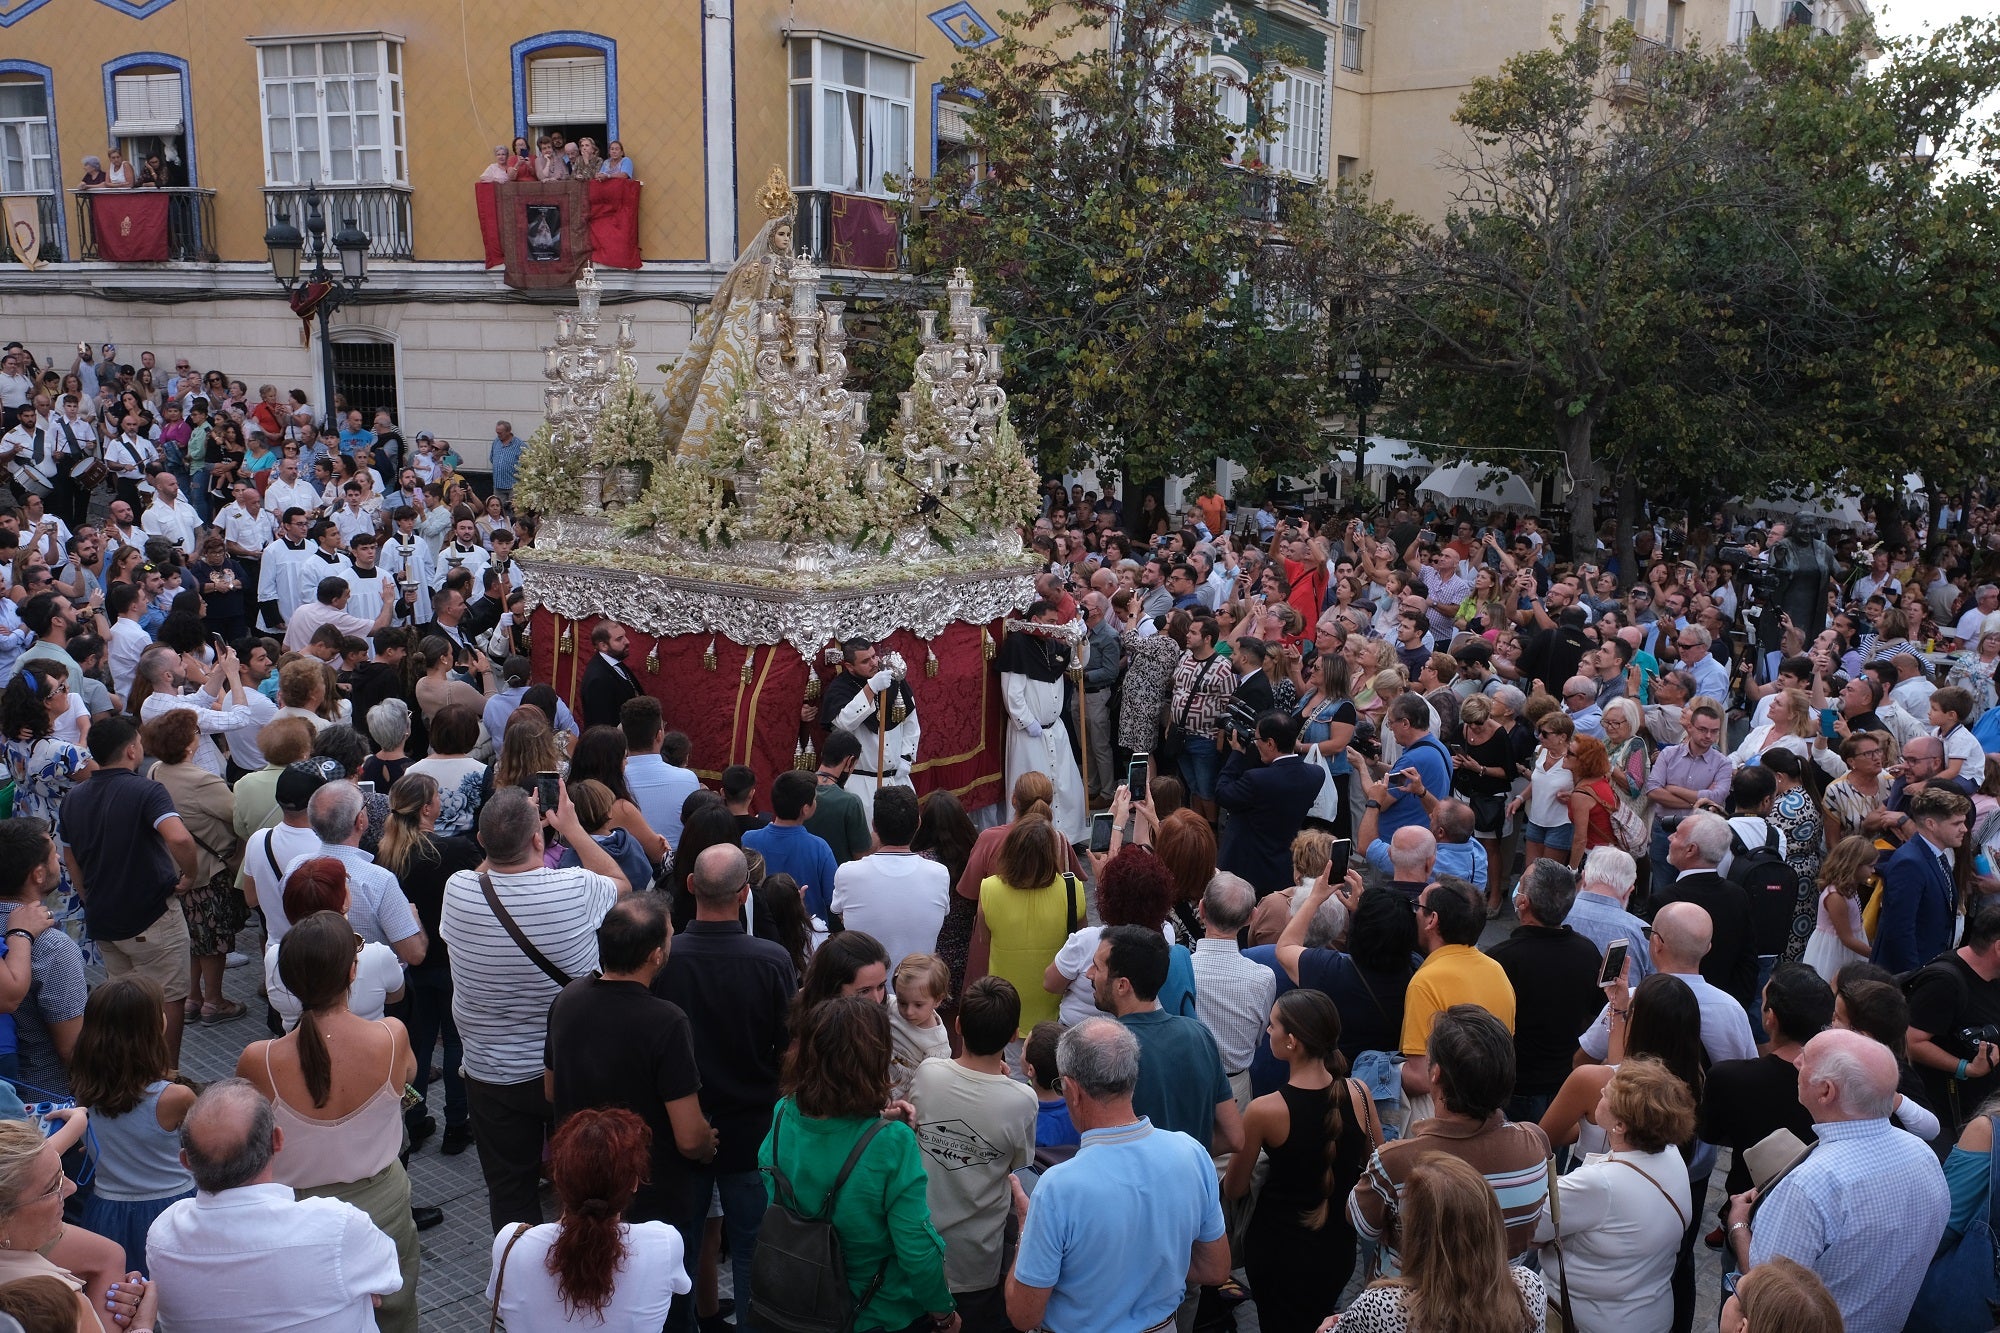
(776, 198)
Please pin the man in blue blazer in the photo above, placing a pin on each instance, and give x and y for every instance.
(1919, 893)
(1267, 796)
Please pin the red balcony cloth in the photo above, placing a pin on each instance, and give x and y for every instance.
(614, 222)
(730, 722)
(488, 195)
(131, 225)
(864, 233)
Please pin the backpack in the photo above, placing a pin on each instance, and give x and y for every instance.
(798, 1276)
(1771, 885)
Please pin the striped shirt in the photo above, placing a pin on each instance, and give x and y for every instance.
(500, 998)
(1513, 1158)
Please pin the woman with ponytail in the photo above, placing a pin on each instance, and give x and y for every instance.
(1318, 1130)
(335, 1082)
(592, 1269)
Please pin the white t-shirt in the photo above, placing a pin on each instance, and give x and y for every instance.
(378, 974)
(1960, 743)
(652, 1274)
(285, 844)
(975, 1129)
(898, 897)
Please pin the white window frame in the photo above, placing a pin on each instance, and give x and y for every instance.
(1299, 148)
(576, 73)
(352, 113)
(877, 118)
(28, 167)
(1232, 99)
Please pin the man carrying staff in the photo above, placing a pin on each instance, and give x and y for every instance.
(1032, 667)
(868, 700)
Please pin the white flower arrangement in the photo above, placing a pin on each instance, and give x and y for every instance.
(805, 492)
(550, 477)
(1003, 489)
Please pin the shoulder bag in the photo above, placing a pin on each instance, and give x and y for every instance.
(500, 1275)
(519, 936)
(1175, 740)
(1561, 1310)
(1961, 1292)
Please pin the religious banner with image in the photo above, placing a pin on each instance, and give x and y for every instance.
(131, 226)
(543, 230)
(23, 215)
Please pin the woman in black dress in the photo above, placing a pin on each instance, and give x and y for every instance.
(1317, 1130)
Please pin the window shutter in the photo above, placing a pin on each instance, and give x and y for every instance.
(954, 123)
(146, 104)
(566, 90)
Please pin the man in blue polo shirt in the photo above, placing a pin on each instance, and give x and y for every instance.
(1117, 1233)
(790, 848)
(1182, 1084)
(1409, 721)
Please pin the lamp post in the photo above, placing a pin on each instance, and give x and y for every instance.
(326, 289)
(1364, 388)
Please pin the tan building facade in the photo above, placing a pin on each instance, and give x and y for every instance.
(395, 108)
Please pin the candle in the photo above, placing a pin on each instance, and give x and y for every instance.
(552, 367)
(624, 328)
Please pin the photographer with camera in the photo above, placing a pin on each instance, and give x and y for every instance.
(1954, 1039)
(1267, 787)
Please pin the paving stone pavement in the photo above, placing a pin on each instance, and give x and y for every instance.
(457, 1255)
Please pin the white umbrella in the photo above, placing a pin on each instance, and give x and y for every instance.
(1480, 487)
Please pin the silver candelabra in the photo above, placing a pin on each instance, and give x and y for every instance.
(960, 374)
(581, 372)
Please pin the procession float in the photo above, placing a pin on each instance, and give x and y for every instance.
(744, 521)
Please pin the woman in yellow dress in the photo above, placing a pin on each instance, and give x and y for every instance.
(1027, 908)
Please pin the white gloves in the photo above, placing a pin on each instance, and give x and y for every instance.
(879, 681)
(1032, 727)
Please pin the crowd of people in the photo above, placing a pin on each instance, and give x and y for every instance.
(1391, 923)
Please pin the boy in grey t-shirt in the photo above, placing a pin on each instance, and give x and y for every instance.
(978, 1127)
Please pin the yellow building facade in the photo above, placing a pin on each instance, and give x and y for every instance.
(395, 108)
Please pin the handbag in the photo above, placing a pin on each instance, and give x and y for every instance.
(1961, 1292)
(500, 1275)
(1326, 805)
(1561, 1310)
(1174, 742)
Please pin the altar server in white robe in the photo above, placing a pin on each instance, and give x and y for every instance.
(1031, 687)
(853, 702)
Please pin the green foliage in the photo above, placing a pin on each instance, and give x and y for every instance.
(1696, 272)
(1122, 255)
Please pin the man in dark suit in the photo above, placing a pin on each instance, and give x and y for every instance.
(607, 681)
(1695, 850)
(1253, 697)
(1267, 798)
(1919, 892)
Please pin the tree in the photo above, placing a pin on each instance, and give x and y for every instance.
(1121, 250)
(1591, 285)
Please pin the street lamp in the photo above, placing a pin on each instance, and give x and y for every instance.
(1364, 389)
(322, 290)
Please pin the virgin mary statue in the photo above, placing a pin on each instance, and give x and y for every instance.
(720, 352)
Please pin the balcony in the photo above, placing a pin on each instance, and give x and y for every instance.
(190, 223)
(48, 208)
(1629, 80)
(1350, 48)
(383, 211)
(857, 238)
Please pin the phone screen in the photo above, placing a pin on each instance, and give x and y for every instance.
(1138, 776)
(1336, 868)
(367, 787)
(548, 791)
(1100, 833)
(1614, 961)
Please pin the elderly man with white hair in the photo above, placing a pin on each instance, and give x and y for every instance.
(1232, 995)
(1681, 934)
(1695, 848)
(1866, 1209)
(1599, 913)
(1985, 602)
(1579, 702)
